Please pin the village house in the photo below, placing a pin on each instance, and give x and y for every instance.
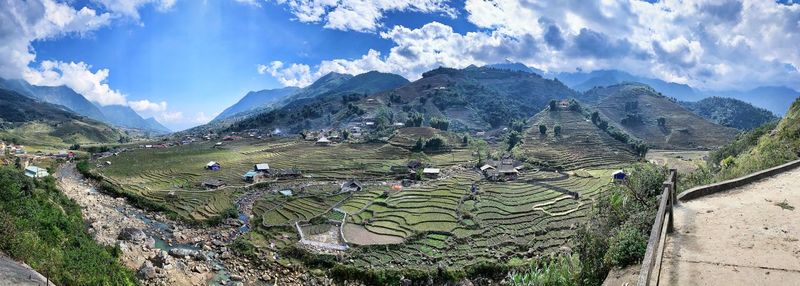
(290, 173)
(213, 183)
(213, 166)
(323, 141)
(351, 186)
(431, 173)
(249, 176)
(36, 172)
(619, 175)
(503, 169)
(261, 168)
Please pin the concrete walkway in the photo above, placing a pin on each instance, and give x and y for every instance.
(738, 237)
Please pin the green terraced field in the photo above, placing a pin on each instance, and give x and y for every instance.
(437, 220)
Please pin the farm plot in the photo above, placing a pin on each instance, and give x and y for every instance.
(579, 145)
(444, 223)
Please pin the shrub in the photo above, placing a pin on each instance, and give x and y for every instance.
(542, 129)
(627, 247)
(557, 130)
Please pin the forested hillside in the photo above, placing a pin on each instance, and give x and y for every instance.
(730, 112)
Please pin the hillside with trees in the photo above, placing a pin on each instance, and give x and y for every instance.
(27, 121)
(730, 112)
(659, 121)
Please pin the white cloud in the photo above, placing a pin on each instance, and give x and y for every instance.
(359, 15)
(708, 44)
(22, 22)
(254, 3)
(262, 69)
(79, 77)
(293, 75)
(130, 8)
(148, 106)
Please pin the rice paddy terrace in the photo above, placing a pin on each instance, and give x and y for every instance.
(434, 221)
(171, 177)
(579, 145)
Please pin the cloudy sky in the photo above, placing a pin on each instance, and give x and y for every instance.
(184, 61)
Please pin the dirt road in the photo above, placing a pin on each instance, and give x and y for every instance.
(745, 236)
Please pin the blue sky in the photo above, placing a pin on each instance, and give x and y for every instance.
(184, 61)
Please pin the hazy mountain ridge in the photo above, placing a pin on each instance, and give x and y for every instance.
(121, 116)
(44, 123)
(254, 101)
(773, 98)
(730, 112)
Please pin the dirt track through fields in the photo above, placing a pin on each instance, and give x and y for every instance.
(746, 236)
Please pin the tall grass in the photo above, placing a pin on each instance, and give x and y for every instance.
(556, 270)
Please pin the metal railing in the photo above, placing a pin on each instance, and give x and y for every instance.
(651, 264)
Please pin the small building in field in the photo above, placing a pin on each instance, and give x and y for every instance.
(351, 186)
(213, 166)
(619, 175)
(323, 141)
(287, 193)
(36, 172)
(249, 176)
(213, 183)
(261, 168)
(431, 172)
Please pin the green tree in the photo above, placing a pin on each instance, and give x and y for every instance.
(553, 105)
(419, 145)
(518, 125)
(557, 130)
(595, 117)
(513, 139)
(662, 121)
(542, 129)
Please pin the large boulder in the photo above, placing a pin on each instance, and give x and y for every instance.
(131, 234)
(147, 271)
(184, 252)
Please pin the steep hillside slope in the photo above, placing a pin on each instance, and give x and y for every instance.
(254, 101)
(730, 112)
(60, 95)
(579, 144)
(656, 119)
(327, 96)
(472, 98)
(780, 145)
(40, 123)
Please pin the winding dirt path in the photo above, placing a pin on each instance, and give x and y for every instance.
(745, 236)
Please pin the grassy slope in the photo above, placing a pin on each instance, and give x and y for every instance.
(580, 145)
(36, 123)
(773, 148)
(42, 227)
(683, 129)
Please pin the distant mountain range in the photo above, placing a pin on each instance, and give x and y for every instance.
(254, 101)
(118, 115)
(39, 123)
(773, 98)
(472, 98)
